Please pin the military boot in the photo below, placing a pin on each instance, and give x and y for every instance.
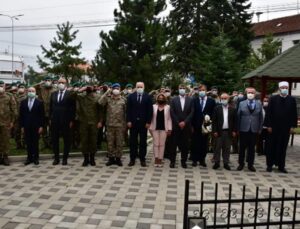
(92, 159)
(119, 162)
(86, 160)
(110, 162)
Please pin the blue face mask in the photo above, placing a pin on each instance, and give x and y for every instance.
(284, 91)
(202, 93)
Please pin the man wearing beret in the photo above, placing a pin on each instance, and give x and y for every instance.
(115, 110)
(8, 112)
(281, 119)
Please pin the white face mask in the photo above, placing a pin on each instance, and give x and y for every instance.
(266, 104)
(224, 102)
(2, 89)
(31, 94)
(61, 86)
(48, 84)
(250, 96)
(167, 94)
(116, 92)
(140, 90)
(55, 85)
(182, 92)
(202, 93)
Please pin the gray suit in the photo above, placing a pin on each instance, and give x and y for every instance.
(249, 124)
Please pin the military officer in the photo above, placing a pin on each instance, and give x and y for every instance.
(8, 112)
(115, 121)
(21, 95)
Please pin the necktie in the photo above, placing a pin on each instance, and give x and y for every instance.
(140, 99)
(201, 103)
(30, 104)
(59, 97)
(252, 105)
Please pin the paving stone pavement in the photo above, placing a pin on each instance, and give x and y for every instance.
(47, 196)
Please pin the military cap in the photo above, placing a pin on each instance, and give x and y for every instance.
(47, 78)
(116, 85)
(1, 82)
(129, 85)
(22, 85)
(55, 78)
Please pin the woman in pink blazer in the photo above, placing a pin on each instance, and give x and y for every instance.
(160, 128)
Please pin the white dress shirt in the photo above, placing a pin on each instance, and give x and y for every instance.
(204, 102)
(60, 95)
(225, 117)
(182, 101)
(30, 103)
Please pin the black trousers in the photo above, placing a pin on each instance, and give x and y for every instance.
(65, 132)
(278, 145)
(32, 143)
(138, 141)
(247, 141)
(199, 146)
(179, 138)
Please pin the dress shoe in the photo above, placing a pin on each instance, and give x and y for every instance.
(27, 162)
(6, 161)
(203, 164)
(227, 167)
(172, 165)
(269, 169)
(183, 165)
(92, 159)
(55, 162)
(251, 168)
(216, 166)
(283, 170)
(65, 162)
(240, 168)
(143, 163)
(194, 164)
(110, 161)
(131, 163)
(86, 160)
(118, 162)
(36, 162)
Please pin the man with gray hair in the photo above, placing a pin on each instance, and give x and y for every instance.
(281, 119)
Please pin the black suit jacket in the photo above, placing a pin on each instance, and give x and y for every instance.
(139, 111)
(199, 114)
(33, 119)
(178, 115)
(218, 119)
(62, 113)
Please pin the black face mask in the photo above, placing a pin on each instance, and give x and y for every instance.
(161, 102)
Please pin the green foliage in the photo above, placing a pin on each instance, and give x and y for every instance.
(63, 58)
(134, 50)
(33, 77)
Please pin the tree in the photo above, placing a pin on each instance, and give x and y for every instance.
(134, 50)
(63, 58)
(217, 64)
(32, 77)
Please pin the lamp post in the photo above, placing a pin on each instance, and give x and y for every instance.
(12, 18)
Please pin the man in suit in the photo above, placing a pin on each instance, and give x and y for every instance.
(62, 114)
(249, 124)
(223, 128)
(281, 119)
(139, 115)
(203, 105)
(32, 116)
(181, 113)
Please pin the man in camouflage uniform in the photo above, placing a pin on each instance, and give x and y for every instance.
(115, 122)
(8, 111)
(90, 120)
(19, 138)
(44, 91)
(75, 131)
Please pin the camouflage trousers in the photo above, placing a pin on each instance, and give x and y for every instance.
(47, 134)
(115, 141)
(4, 141)
(88, 138)
(19, 137)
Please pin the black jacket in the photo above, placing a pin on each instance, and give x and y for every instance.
(218, 119)
(198, 116)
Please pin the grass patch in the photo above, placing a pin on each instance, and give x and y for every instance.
(297, 130)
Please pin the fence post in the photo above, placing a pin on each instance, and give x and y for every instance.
(186, 200)
(269, 207)
(295, 208)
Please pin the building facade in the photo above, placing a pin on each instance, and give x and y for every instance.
(9, 72)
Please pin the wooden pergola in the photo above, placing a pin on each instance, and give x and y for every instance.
(284, 67)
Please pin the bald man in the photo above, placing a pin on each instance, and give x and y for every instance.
(32, 116)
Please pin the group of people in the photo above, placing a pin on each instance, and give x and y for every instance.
(193, 120)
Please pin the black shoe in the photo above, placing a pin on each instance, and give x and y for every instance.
(216, 166)
(65, 162)
(269, 169)
(119, 162)
(55, 162)
(92, 159)
(183, 165)
(203, 164)
(172, 165)
(6, 161)
(110, 161)
(194, 164)
(143, 164)
(27, 162)
(240, 168)
(227, 167)
(85, 160)
(131, 163)
(36, 162)
(283, 170)
(251, 168)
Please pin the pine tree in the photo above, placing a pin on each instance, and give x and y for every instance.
(63, 58)
(133, 51)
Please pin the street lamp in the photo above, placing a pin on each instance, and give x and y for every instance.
(12, 18)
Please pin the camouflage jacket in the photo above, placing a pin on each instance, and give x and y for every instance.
(44, 94)
(8, 109)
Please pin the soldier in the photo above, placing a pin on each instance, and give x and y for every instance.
(90, 120)
(115, 122)
(75, 132)
(128, 90)
(19, 138)
(44, 91)
(8, 111)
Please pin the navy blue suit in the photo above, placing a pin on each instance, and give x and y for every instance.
(31, 121)
(199, 140)
(139, 114)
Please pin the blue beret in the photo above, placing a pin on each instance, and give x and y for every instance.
(116, 85)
